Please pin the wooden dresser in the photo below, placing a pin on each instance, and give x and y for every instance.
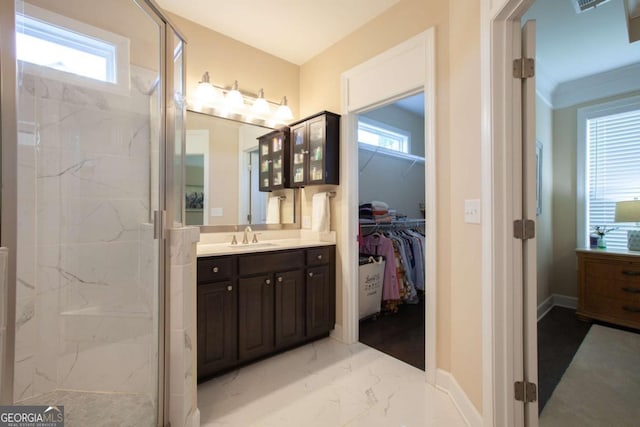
(609, 286)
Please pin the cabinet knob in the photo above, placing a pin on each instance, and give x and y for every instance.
(229, 288)
(319, 256)
(311, 274)
(280, 279)
(268, 281)
(215, 269)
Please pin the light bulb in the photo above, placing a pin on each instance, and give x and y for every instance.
(206, 94)
(260, 106)
(283, 113)
(234, 100)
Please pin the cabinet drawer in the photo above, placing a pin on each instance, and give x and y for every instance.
(612, 308)
(319, 256)
(216, 268)
(616, 289)
(270, 262)
(622, 271)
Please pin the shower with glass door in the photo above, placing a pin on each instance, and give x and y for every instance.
(98, 100)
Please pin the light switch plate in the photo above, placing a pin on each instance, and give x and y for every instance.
(216, 212)
(472, 211)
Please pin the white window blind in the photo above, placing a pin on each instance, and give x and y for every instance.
(613, 170)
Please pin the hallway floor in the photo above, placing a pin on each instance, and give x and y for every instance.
(326, 384)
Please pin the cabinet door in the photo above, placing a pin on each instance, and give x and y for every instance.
(264, 159)
(255, 316)
(289, 308)
(217, 327)
(317, 150)
(277, 161)
(299, 151)
(320, 300)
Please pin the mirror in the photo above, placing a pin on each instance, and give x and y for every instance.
(221, 177)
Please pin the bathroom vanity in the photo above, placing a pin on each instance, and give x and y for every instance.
(256, 300)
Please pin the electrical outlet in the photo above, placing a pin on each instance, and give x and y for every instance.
(306, 221)
(216, 212)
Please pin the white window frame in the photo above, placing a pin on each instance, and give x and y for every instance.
(118, 73)
(387, 129)
(585, 114)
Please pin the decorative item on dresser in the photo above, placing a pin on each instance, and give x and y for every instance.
(609, 286)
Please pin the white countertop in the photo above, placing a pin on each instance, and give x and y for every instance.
(216, 249)
(214, 244)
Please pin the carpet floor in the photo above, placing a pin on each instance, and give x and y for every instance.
(601, 385)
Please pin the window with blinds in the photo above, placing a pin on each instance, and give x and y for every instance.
(612, 170)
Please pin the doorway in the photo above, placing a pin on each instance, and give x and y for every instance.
(506, 126)
(406, 69)
(391, 194)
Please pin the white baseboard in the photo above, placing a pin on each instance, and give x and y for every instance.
(544, 307)
(447, 383)
(556, 300)
(196, 418)
(338, 334)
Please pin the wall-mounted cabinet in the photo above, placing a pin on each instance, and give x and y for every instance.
(273, 160)
(254, 305)
(315, 147)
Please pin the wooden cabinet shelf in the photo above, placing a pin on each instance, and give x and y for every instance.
(609, 287)
(254, 305)
(273, 158)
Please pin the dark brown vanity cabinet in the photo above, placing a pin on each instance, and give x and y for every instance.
(282, 299)
(273, 158)
(315, 146)
(217, 315)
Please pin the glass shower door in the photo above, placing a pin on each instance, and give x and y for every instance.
(90, 122)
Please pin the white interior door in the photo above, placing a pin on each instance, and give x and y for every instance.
(529, 204)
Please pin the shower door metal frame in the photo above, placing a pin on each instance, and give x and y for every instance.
(8, 189)
(8, 185)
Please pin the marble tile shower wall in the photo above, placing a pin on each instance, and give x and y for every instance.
(86, 278)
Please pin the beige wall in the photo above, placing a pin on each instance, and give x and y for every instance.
(565, 125)
(457, 26)
(227, 60)
(544, 221)
(316, 85)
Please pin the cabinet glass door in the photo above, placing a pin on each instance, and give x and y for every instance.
(276, 160)
(265, 161)
(316, 150)
(299, 151)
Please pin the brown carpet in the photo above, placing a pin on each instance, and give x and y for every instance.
(601, 387)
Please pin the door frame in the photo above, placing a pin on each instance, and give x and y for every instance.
(500, 267)
(403, 70)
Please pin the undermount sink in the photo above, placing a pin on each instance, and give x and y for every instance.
(252, 245)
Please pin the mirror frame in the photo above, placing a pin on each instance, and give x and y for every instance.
(295, 225)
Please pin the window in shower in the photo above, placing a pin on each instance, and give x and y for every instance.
(78, 52)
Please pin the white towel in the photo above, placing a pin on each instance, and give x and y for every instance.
(320, 214)
(273, 210)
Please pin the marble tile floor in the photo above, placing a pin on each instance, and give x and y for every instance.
(326, 384)
(83, 409)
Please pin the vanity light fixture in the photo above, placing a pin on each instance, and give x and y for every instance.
(283, 112)
(235, 104)
(233, 100)
(260, 106)
(207, 95)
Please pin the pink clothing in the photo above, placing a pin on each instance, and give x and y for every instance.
(377, 244)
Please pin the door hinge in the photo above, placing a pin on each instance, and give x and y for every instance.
(159, 225)
(524, 229)
(524, 68)
(525, 391)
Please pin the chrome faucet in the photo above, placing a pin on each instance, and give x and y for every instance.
(245, 238)
(234, 241)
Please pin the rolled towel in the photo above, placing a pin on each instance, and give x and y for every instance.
(378, 205)
(320, 213)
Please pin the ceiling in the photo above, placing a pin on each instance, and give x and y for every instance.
(571, 46)
(294, 30)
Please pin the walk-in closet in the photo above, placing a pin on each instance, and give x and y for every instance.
(392, 240)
